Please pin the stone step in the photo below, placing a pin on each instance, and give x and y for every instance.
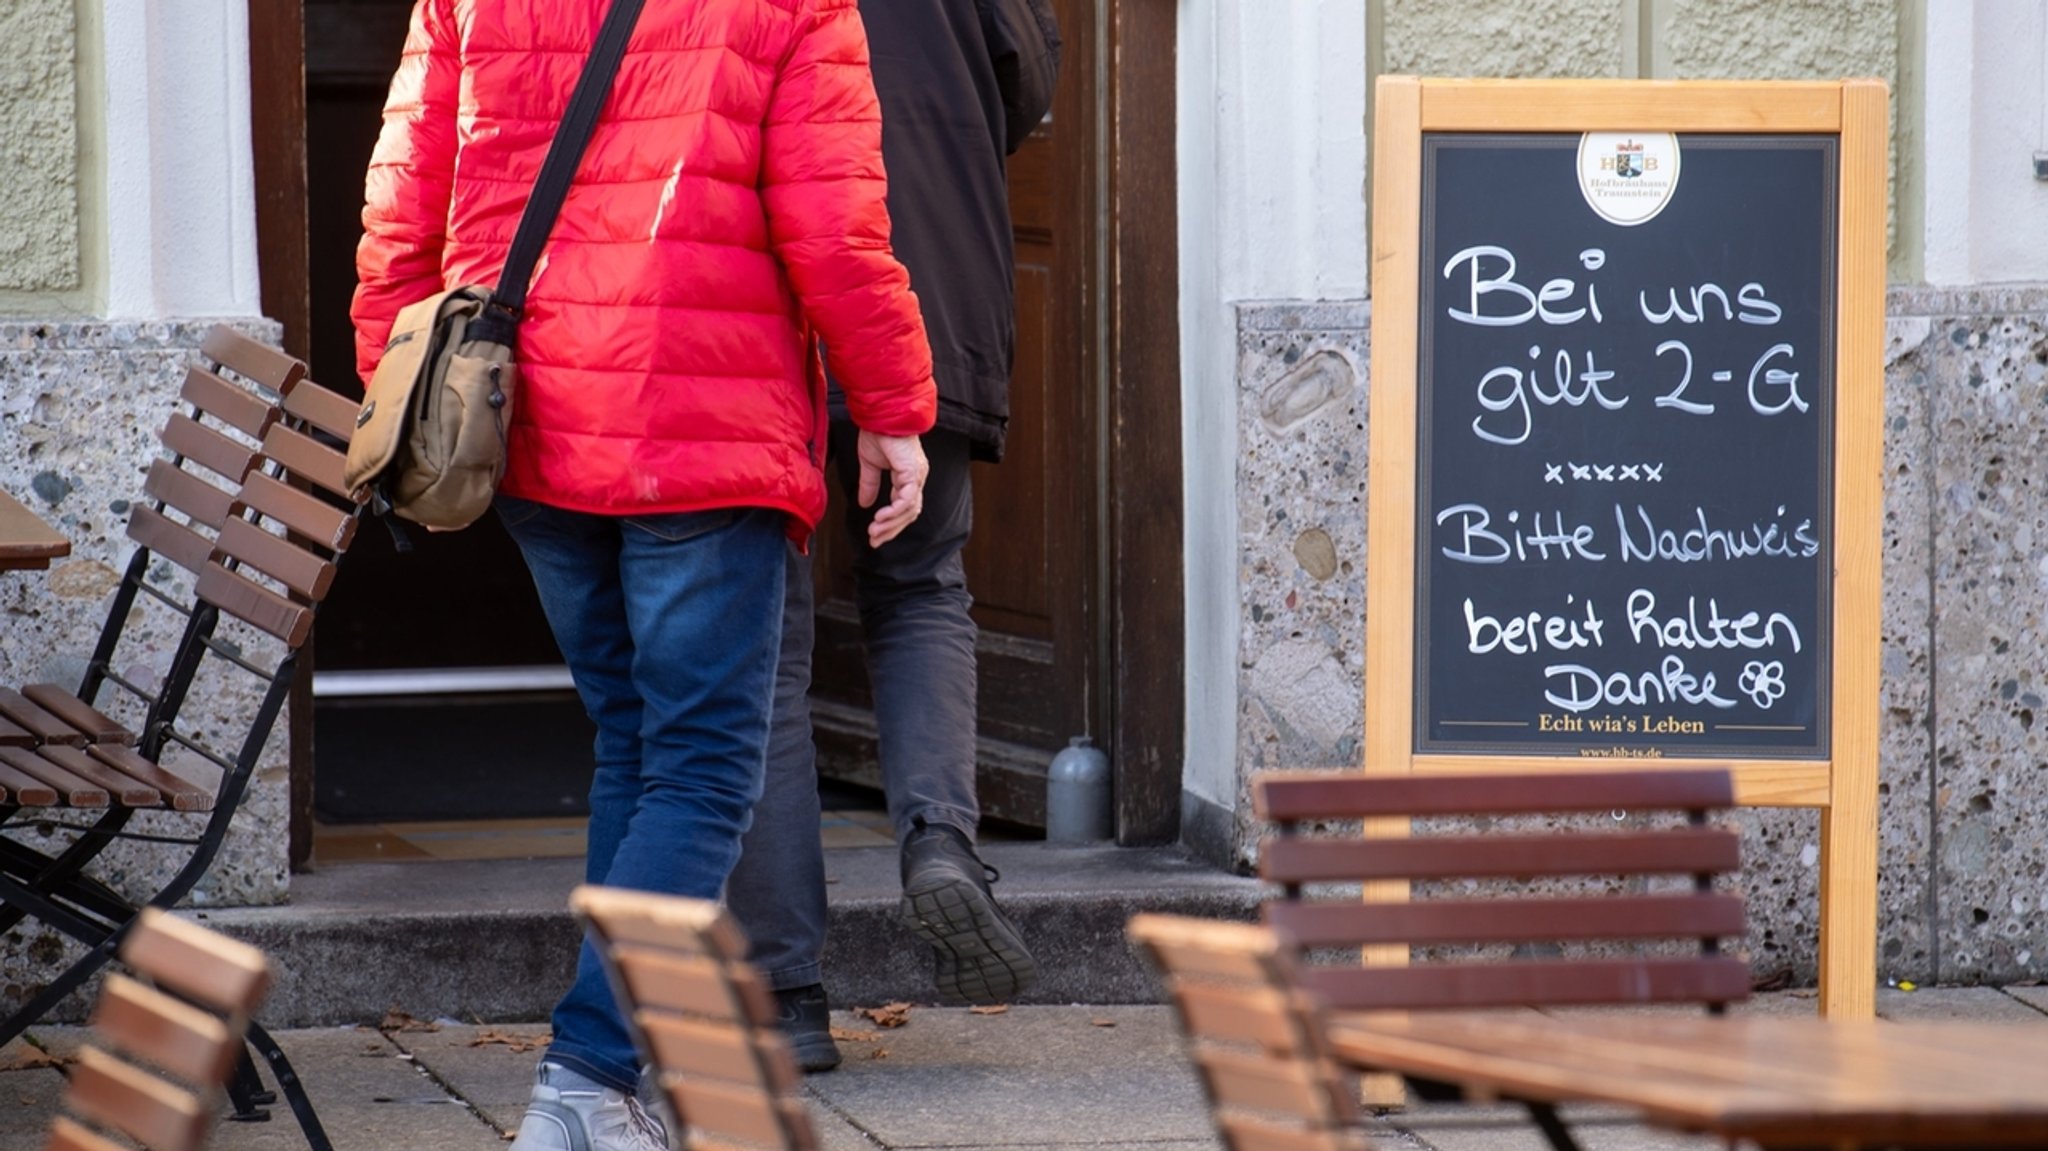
(493, 940)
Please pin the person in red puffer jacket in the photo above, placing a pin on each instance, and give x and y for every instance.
(727, 222)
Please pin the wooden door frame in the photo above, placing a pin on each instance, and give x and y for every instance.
(1129, 392)
(277, 131)
(1143, 561)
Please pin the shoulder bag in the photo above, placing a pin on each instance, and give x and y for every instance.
(430, 438)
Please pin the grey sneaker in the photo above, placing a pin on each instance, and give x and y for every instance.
(948, 904)
(570, 1112)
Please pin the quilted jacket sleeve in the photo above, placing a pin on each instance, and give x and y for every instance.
(412, 173)
(823, 185)
(1024, 44)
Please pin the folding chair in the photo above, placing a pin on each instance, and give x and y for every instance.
(1510, 943)
(1255, 1038)
(184, 1018)
(252, 545)
(702, 1018)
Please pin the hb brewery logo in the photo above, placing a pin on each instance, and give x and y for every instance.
(1628, 177)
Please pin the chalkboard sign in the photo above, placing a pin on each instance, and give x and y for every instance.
(1625, 441)
(1626, 479)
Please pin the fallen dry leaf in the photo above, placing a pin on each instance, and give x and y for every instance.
(517, 1043)
(396, 1020)
(997, 1009)
(880, 1053)
(27, 1057)
(1103, 1022)
(888, 1015)
(845, 1035)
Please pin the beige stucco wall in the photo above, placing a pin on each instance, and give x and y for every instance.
(1654, 39)
(39, 242)
(1549, 38)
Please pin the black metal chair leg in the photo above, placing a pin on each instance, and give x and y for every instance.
(288, 1083)
(246, 1091)
(1544, 1115)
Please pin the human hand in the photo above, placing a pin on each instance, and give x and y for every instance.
(903, 458)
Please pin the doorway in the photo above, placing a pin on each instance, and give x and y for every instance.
(1077, 594)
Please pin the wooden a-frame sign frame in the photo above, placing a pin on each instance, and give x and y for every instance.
(1844, 784)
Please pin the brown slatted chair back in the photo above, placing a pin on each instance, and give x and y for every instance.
(251, 560)
(1626, 940)
(704, 1020)
(272, 565)
(212, 440)
(164, 1041)
(1255, 1038)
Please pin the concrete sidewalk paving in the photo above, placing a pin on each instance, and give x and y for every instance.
(1096, 1078)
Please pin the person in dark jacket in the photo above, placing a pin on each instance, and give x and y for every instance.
(962, 83)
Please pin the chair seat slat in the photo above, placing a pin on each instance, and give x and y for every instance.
(119, 1095)
(1678, 851)
(298, 569)
(725, 1052)
(1262, 1016)
(326, 525)
(70, 789)
(236, 406)
(98, 727)
(692, 984)
(213, 449)
(169, 539)
(178, 793)
(67, 1134)
(259, 362)
(1337, 923)
(1288, 796)
(307, 457)
(124, 789)
(224, 974)
(22, 789)
(255, 604)
(681, 926)
(13, 734)
(749, 1116)
(169, 1033)
(24, 712)
(1239, 1079)
(324, 408)
(199, 501)
(1249, 1133)
(1709, 979)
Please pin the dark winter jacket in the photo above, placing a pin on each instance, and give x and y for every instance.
(962, 83)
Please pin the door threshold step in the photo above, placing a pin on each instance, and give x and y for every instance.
(493, 939)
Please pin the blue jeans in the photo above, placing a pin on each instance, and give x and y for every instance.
(670, 625)
(914, 606)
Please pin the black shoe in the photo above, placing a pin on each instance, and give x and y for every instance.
(806, 1021)
(947, 903)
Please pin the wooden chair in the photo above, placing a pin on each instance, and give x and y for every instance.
(1255, 1038)
(244, 523)
(164, 1044)
(703, 1019)
(1512, 944)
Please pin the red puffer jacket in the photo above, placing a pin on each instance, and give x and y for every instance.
(728, 212)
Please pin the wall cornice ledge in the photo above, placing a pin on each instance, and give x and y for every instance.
(1969, 300)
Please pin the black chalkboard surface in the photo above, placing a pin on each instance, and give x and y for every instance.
(1624, 472)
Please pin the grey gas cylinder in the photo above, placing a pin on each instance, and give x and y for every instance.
(1077, 794)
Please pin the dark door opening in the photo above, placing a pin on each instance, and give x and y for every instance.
(1076, 564)
(439, 694)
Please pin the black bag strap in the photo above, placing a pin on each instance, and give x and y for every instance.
(565, 154)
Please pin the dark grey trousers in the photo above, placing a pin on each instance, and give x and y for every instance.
(913, 601)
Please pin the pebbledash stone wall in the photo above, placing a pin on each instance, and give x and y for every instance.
(80, 408)
(1963, 838)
